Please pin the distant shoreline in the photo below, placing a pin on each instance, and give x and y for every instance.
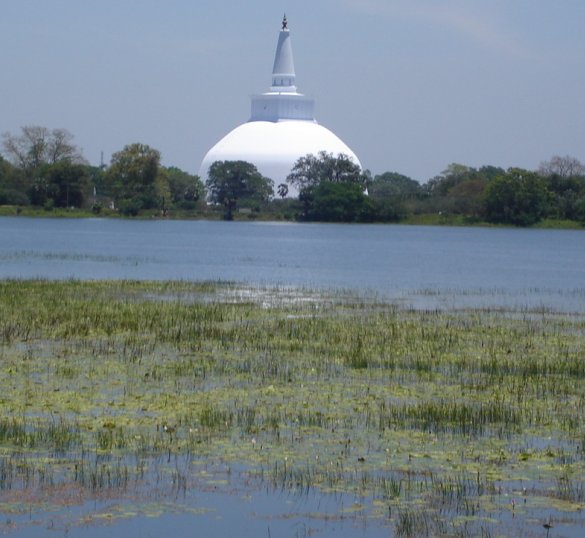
(413, 220)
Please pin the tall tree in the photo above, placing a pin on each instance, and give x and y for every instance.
(132, 177)
(565, 167)
(230, 181)
(37, 145)
(313, 176)
(310, 170)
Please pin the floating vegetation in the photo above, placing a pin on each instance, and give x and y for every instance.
(68, 256)
(438, 422)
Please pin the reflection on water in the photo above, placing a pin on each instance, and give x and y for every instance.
(216, 500)
(426, 267)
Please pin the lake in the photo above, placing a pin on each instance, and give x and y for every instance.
(414, 266)
(418, 266)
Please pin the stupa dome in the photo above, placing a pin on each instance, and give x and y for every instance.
(282, 127)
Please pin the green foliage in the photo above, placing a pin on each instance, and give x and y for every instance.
(390, 193)
(46, 165)
(13, 197)
(566, 190)
(132, 178)
(331, 188)
(454, 174)
(565, 179)
(458, 190)
(310, 170)
(130, 207)
(394, 186)
(5, 170)
(61, 185)
(13, 187)
(388, 210)
(230, 181)
(337, 202)
(185, 189)
(45, 169)
(580, 209)
(518, 197)
(97, 176)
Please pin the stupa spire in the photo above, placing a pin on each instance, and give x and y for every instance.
(283, 71)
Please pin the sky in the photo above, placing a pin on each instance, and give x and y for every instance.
(410, 85)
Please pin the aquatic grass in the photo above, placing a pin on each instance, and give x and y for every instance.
(111, 382)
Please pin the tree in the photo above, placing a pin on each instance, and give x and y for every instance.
(564, 167)
(454, 173)
(466, 197)
(518, 197)
(38, 145)
(185, 189)
(230, 181)
(282, 190)
(338, 202)
(133, 179)
(62, 184)
(394, 185)
(310, 170)
(458, 190)
(390, 193)
(50, 167)
(565, 179)
(13, 185)
(580, 209)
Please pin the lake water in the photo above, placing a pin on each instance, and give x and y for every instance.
(417, 266)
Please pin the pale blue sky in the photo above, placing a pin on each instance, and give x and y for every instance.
(409, 85)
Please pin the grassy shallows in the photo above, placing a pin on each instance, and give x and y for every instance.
(454, 410)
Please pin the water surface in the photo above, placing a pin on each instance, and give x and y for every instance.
(418, 265)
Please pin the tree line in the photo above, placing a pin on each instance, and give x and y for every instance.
(44, 168)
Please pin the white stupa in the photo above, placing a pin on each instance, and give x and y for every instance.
(282, 127)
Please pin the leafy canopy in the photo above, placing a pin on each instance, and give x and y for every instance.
(394, 185)
(310, 170)
(337, 202)
(132, 178)
(230, 181)
(185, 190)
(517, 197)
